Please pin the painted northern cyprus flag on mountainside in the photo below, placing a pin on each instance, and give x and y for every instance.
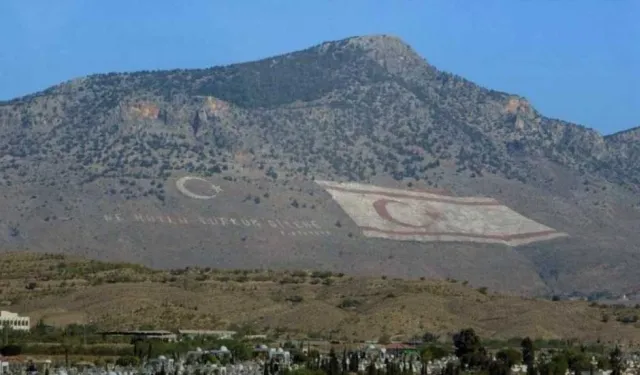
(426, 216)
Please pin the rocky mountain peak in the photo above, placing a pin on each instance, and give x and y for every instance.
(391, 52)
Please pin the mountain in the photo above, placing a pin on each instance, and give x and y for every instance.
(226, 167)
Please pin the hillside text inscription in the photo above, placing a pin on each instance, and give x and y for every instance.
(291, 228)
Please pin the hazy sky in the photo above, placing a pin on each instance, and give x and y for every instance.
(578, 60)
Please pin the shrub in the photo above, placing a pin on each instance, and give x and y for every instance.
(322, 274)
(11, 350)
(348, 303)
(294, 299)
(127, 360)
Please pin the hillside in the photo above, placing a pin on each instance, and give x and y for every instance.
(94, 167)
(65, 290)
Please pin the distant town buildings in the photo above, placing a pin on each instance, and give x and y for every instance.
(206, 332)
(171, 336)
(163, 335)
(14, 321)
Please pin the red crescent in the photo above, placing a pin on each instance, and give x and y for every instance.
(381, 209)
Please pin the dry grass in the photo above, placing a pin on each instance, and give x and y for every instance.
(63, 290)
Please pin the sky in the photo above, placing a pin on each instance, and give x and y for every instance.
(576, 60)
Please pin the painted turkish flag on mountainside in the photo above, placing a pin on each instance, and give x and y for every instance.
(422, 216)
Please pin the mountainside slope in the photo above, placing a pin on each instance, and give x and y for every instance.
(64, 290)
(363, 109)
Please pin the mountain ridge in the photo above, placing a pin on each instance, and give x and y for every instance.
(364, 109)
(353, 39)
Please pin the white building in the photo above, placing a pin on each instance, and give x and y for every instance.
(205, 332)
(14, 321)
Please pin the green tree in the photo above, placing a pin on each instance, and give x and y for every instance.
(240, 350)
(469, 349)
(128, 361)
(5, 333)
(450, 369)
(429, 337)
(557, 366)
(509, 357)
(528, 355)
(210, 359)
(426, 355)
(137, 349)
(10, 350)
(305, 371)
(615, 361)
(298, 356)
(354, 362)
(578, 362)
(498, 368)
(371, 369)
(432, 352)
(334, 366)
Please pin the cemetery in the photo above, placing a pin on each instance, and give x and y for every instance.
(230, 353)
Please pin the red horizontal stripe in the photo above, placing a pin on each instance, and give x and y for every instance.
(504, 237)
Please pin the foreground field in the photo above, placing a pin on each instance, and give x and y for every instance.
(63, 290)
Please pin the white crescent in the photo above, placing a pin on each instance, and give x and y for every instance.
(180, 184)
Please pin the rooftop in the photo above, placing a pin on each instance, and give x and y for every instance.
(9, 314)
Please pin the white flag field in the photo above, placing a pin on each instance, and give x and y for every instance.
(409, 215)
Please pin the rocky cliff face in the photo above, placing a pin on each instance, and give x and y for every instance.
(364, 109)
